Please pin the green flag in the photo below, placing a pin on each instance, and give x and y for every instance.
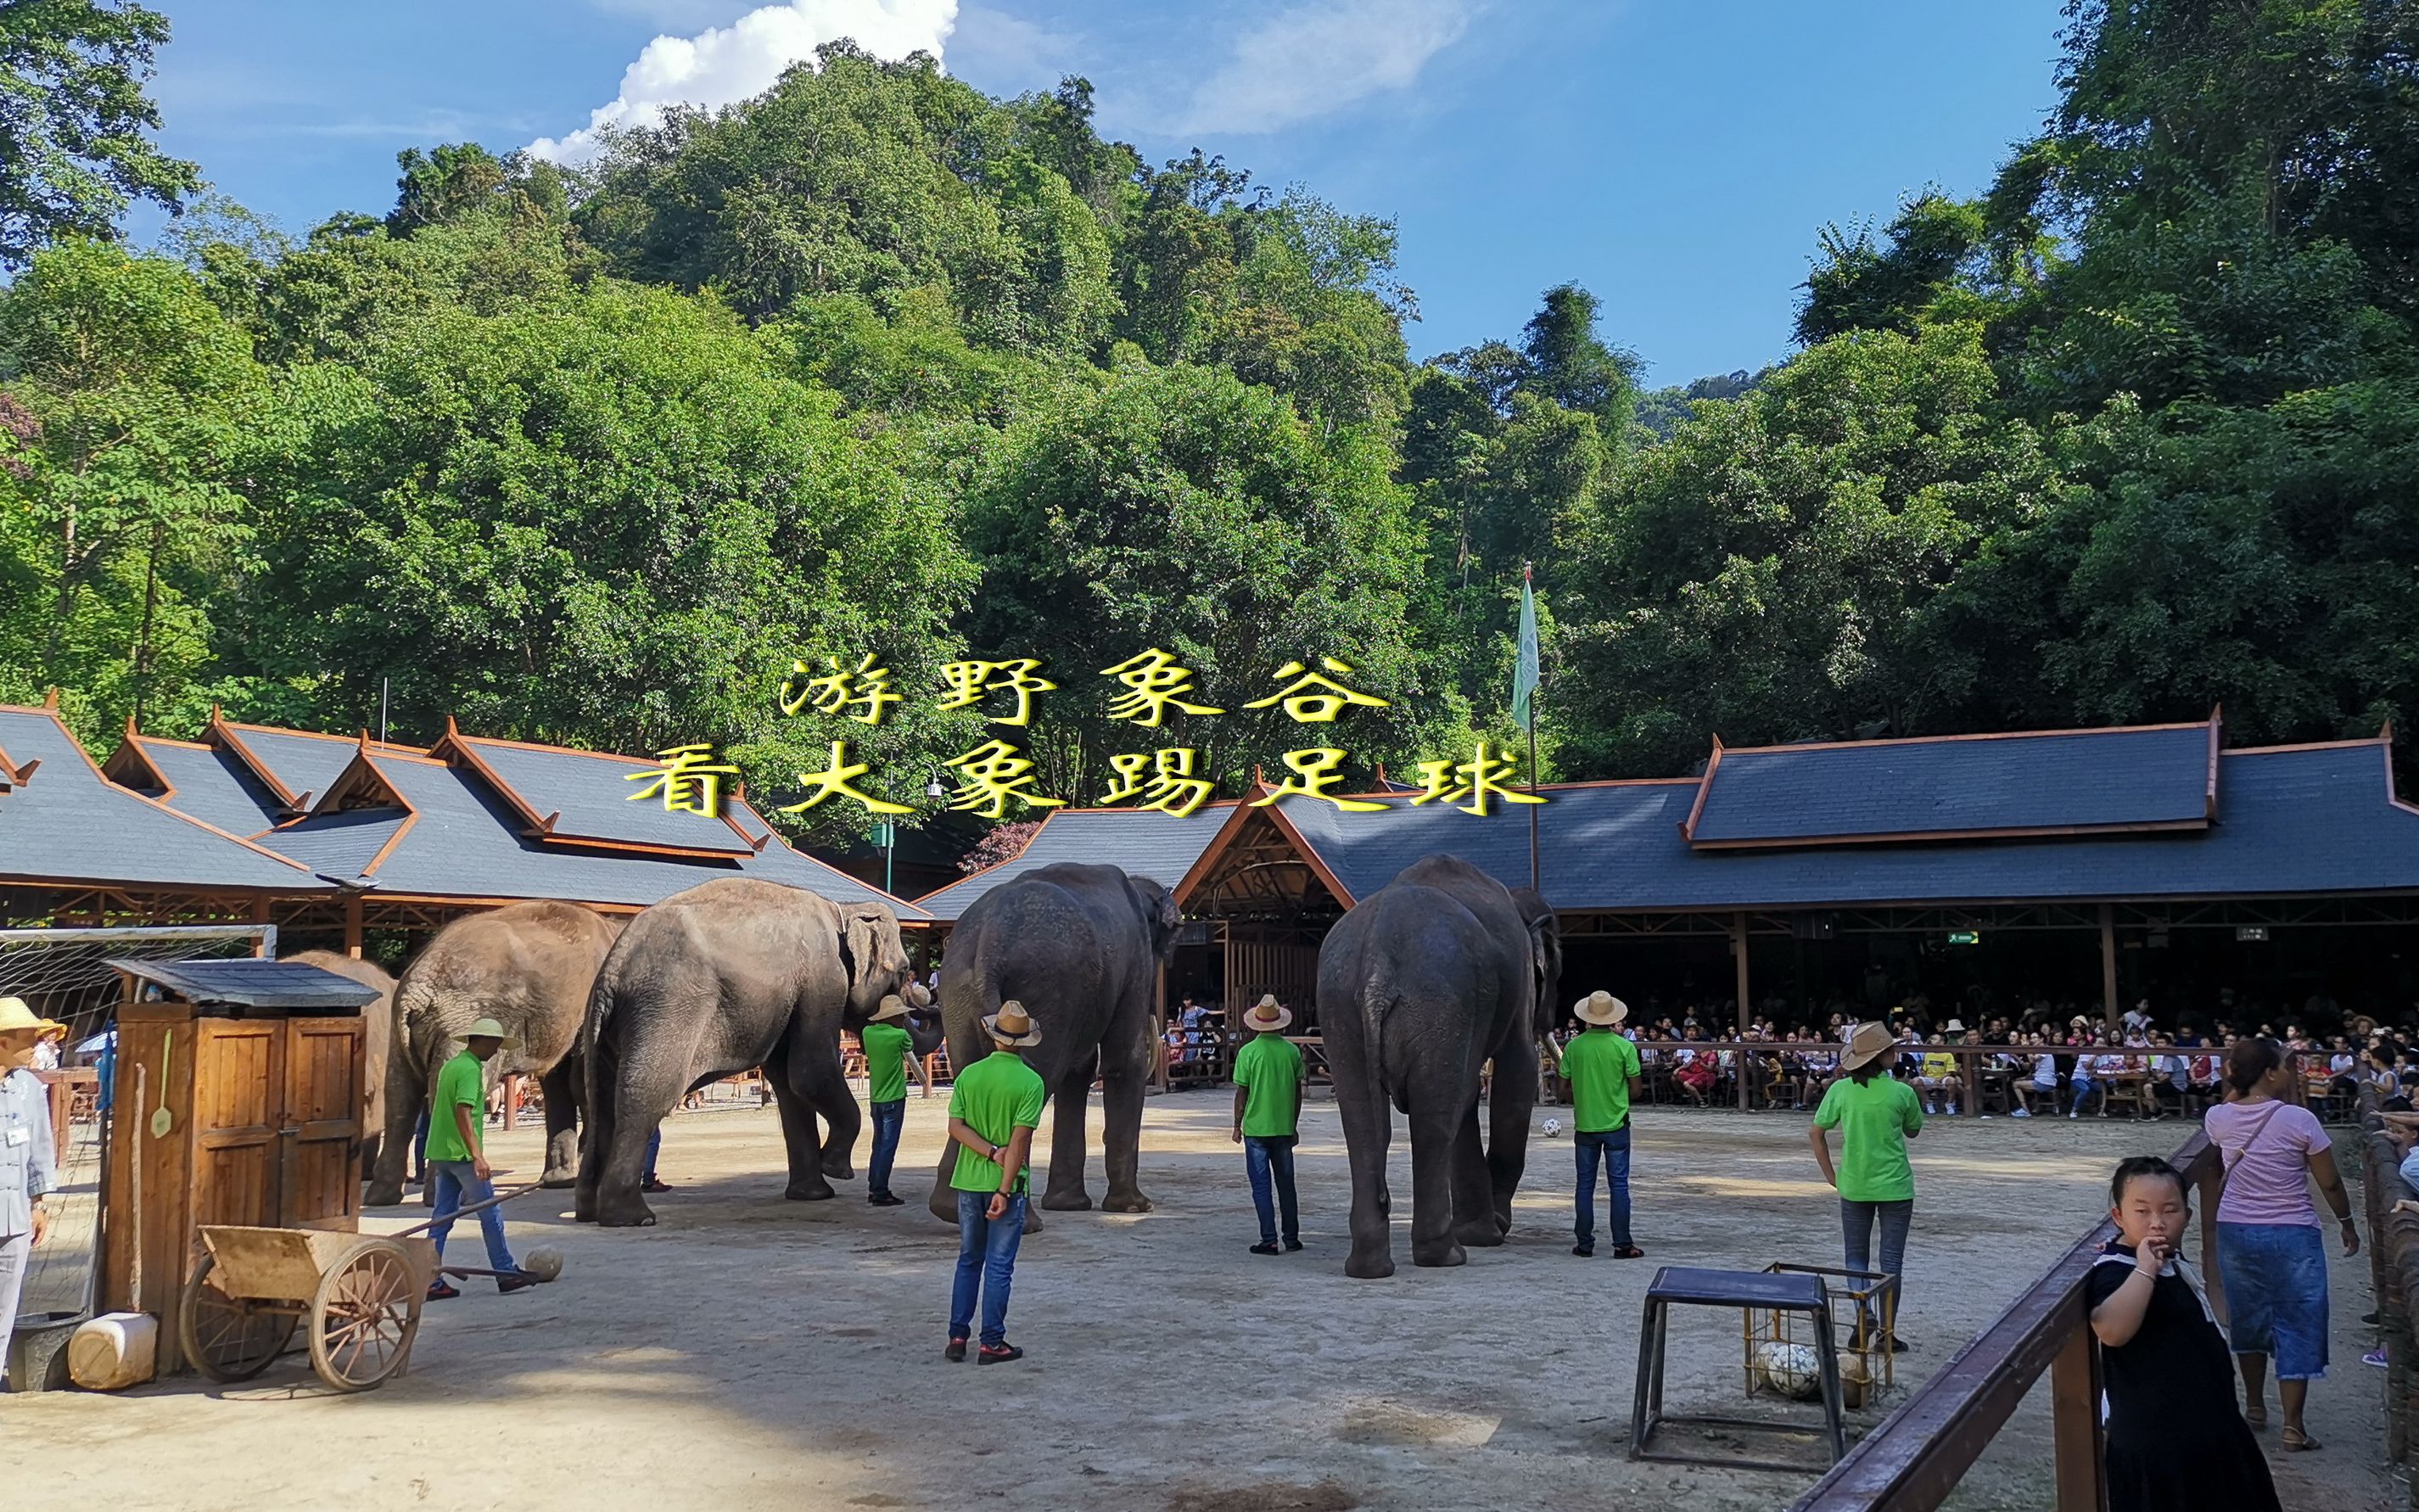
(1524, 671)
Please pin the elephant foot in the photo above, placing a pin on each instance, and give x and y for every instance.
(839, 1169)
(810, 1192)
(1479, 1233)
(1438, 1254)
(633, 1213)
(383, 1196)
(1078, 1200)
(558, 1180)
(1126, 1202)
(948, 1213)
(1375, 1267)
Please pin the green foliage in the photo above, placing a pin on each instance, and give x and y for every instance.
(75, 147)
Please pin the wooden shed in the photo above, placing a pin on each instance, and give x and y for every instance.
(238, 1098)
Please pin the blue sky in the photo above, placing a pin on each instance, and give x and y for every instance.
(1675, 156)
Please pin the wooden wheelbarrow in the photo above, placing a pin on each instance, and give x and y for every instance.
(361, 1292)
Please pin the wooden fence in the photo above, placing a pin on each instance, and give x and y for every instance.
(2394, 1267)
(1916, 1457)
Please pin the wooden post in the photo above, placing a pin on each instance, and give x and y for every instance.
(260, 916)
(1738, 944)
(353, 925)
(1159, 1027)
(2109, 966)
(512, 1101)
(2074, 1420)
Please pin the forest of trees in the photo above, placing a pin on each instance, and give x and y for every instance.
(875, 363)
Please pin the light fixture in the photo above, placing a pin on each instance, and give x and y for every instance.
(934, 788)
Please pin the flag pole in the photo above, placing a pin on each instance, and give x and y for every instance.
(1533, 761)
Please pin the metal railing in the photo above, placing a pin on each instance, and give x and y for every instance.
(1916, 1457)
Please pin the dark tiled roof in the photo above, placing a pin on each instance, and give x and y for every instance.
(211, 785)
(1146, 842)
(590, 797)
(1866, 790)
(69, 824)
(304, 762)
(254, 983)
(2291, 820)
(459, 838)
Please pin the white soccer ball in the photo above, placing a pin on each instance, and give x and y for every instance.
(544, 1264)
(1792, 1370)
(1554, 1127)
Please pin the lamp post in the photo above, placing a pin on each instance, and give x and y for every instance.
(886, 835)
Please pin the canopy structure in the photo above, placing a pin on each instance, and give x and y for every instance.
(323, 832)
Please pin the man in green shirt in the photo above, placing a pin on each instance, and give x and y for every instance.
(994, 1109)
(1877, 1115)
(886, 1088)
(457, 1162)
(1604, 1072)
(1268, 1107)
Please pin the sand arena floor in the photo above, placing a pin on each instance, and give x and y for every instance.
(752, 1352)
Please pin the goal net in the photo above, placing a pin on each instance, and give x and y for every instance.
(63, 974)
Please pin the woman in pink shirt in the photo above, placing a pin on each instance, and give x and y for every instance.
(2269, 1246)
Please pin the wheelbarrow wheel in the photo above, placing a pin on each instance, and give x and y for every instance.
(365, 1316)
(231, 1338)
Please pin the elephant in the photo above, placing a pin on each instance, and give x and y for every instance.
(377, 1033)
(1080, 945)
(529, 965)
(1419, 986)
(733, 974)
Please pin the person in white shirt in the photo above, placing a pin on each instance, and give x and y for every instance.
(2043, 1084)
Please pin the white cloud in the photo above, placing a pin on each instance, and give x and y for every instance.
(1316, 58)
(734, 61)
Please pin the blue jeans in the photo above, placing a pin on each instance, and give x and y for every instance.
(986, 1264)
(1611, 1146)
(2276, 1278)
(457, 1187)
(889, 1119)
(654, 1143)
(420, 1146)
(1269, 1162)
(1856, 1220)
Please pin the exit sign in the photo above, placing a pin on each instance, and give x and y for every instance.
(1964, 936)
(2252, 933)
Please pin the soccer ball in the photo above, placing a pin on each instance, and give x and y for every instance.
(1554, 1127)
(544, 1264)
(1792, 1370)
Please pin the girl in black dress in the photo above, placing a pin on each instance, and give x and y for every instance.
(2177, 1440)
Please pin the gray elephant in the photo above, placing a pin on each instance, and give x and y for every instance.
(378, 1034)
(1081, 946)
(1419, 986)
(529, 965)
(730, 974)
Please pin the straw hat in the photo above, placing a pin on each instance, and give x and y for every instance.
(1011, 1025)
(893, 1007)
(2077, 1022)
(1600, 1008)
(15, 1016)
(1268, 1013)
(488, 1029)
(1871, 1040)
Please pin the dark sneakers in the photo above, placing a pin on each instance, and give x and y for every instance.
(884, 1199)
(1583, 1251)
(999, 1353)
(1265, 1249)
(441, 1289)
(654, 1184)
(1627, 1252)
(1292, 1244)
(956, 1352)
(518, 1281)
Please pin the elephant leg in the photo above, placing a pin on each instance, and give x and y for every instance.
(560, 1086)
(1433, 1135)
(1508, 1110)
(636, 1100)
(815, 1075)
(806, 1184)
(1122, 1079)
(1071, 1099)
(598, 1143)
(1473, 1191)
(406, 1095)
(1368, 1129)
(943, 1201)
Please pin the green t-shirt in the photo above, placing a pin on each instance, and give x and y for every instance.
(886, 1062)
(1268, 1069)
(1874, 1118)
(1599, 1064)
(995, 1097)
(461, 1082)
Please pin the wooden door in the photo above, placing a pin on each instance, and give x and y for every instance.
(319, 1184)
(239, 1108)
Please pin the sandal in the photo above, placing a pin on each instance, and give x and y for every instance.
(2257, 1415)
(1628, 1252)
(2300, 1442)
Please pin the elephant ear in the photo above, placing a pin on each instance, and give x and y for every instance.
(1164, 918)
(1546, 961)
(860, 939)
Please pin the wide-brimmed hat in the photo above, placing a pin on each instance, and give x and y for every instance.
(2077, 1022)
(893, 1007)
(488, 1029)
(1870, 1042)
(1954, 1026)
(1013, 1025)
(16, 1016)
(1599, 1008)
(1268, 1013)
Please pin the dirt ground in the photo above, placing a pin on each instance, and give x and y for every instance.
(751, 1352)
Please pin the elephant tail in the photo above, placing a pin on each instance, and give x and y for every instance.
(1379, 999)
(593, 1083)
